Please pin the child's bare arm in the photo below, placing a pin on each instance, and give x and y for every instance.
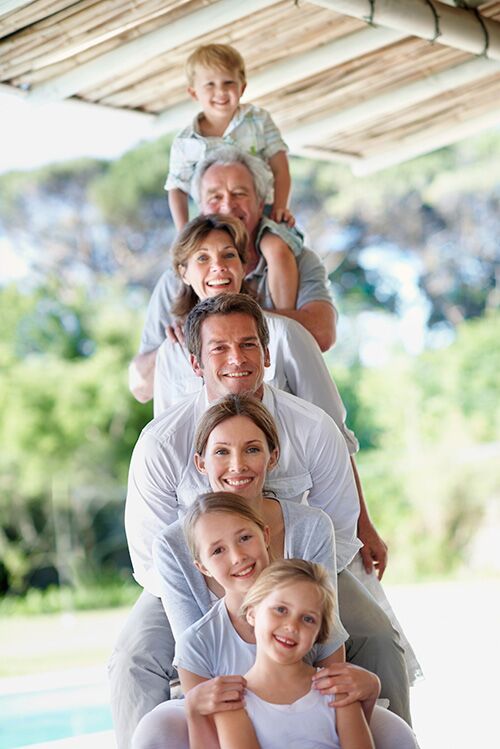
(178, 204)
(282, 184)
(352, 728)
(282, 271)
(236, 731)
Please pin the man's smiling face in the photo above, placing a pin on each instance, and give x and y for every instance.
(232, 356)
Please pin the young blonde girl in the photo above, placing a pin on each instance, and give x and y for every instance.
(290, 608)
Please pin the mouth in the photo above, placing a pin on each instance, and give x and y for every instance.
(285, 642)
(238, 483)
(237, 375)
(245, 572)
(219, 282)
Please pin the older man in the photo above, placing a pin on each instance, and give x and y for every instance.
(232, 183)
(163, 480)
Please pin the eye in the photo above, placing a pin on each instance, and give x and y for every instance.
(217, 551)
(201, 258)
(280, 609)
(230, 254)
(249, 344)
(309, 619)
(221, 451)
(253, 450)
(246, 537)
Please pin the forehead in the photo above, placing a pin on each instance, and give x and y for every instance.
(229, 176)
(300, 593)
(210, 71)
(233, 327)
(235, 430)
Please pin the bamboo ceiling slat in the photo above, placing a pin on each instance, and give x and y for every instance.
(172, 9)
(250, 37)
(30, 14)
(93, 24)
(440, 112)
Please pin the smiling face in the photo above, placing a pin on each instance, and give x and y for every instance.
(229, 189)
(237, 458)
(217, 91)
(287, 621)
(232, 357)
(214, 267)
(231, 549)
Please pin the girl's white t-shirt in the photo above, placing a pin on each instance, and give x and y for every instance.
(308, 723)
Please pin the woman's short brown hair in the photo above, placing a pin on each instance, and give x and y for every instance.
(286, 571)
(211, 502)
(236, 405)
(189, 240)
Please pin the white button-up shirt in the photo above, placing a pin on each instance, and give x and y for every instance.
(163, 480)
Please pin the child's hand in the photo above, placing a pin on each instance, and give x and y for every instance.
(283, 214)
(216, 695)
(354, 683)
(175, 332)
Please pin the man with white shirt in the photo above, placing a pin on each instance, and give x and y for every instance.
(227, 337)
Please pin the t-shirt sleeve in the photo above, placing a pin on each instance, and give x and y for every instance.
(185, 153)
(313, 281)
(274, 143)
(192, 654)
(151, 504)
(158, 314)
(317, 386)
(333, 488)
(176, 572)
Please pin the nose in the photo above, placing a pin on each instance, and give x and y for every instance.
(238, 555)
(237, 463)
(235, 355)
(218, 264)
(226, 204)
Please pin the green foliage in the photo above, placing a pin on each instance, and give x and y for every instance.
(132, 182)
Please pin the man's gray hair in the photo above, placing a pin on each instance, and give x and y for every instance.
(226, 155)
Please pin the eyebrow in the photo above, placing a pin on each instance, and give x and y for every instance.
(202, 248)
(220, 540)
(211, 341)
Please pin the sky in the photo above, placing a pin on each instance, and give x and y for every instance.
(35, 134)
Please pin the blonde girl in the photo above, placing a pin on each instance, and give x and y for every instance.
(290, 608)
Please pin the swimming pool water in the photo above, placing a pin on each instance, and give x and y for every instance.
(32, 717)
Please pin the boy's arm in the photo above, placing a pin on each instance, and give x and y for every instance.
(282, 184)
(178, 204)
(141, 373)
(318, 318)
(352, 728)
(236, 731)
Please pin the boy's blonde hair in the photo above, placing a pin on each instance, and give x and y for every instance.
(211, 502)
(286, 571)
(217, 56)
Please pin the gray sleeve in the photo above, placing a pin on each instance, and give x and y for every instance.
(158, 314)
(315, 542)
(313, 282)
(184, 593)
(192, 654)
(308, 377)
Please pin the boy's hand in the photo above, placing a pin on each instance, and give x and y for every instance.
(283, 214)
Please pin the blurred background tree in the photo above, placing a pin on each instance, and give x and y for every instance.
(93, 237)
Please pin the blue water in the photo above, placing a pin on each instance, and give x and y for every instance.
(33, 717)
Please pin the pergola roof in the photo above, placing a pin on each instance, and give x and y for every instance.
(367, 82)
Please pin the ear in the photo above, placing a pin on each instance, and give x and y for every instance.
(267, 536)
(181, 269)
(243, 87)
(201, 568)
(192, 93)
(267, 357)
(250, 616)
(196, 366)
(273, 459)
(199, 462)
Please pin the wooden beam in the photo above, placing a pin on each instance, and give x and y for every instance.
(452, 27)
(293, 69)
(415, 146)
(134, 53)
(392, 101)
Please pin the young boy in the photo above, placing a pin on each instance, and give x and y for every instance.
(216, 78)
